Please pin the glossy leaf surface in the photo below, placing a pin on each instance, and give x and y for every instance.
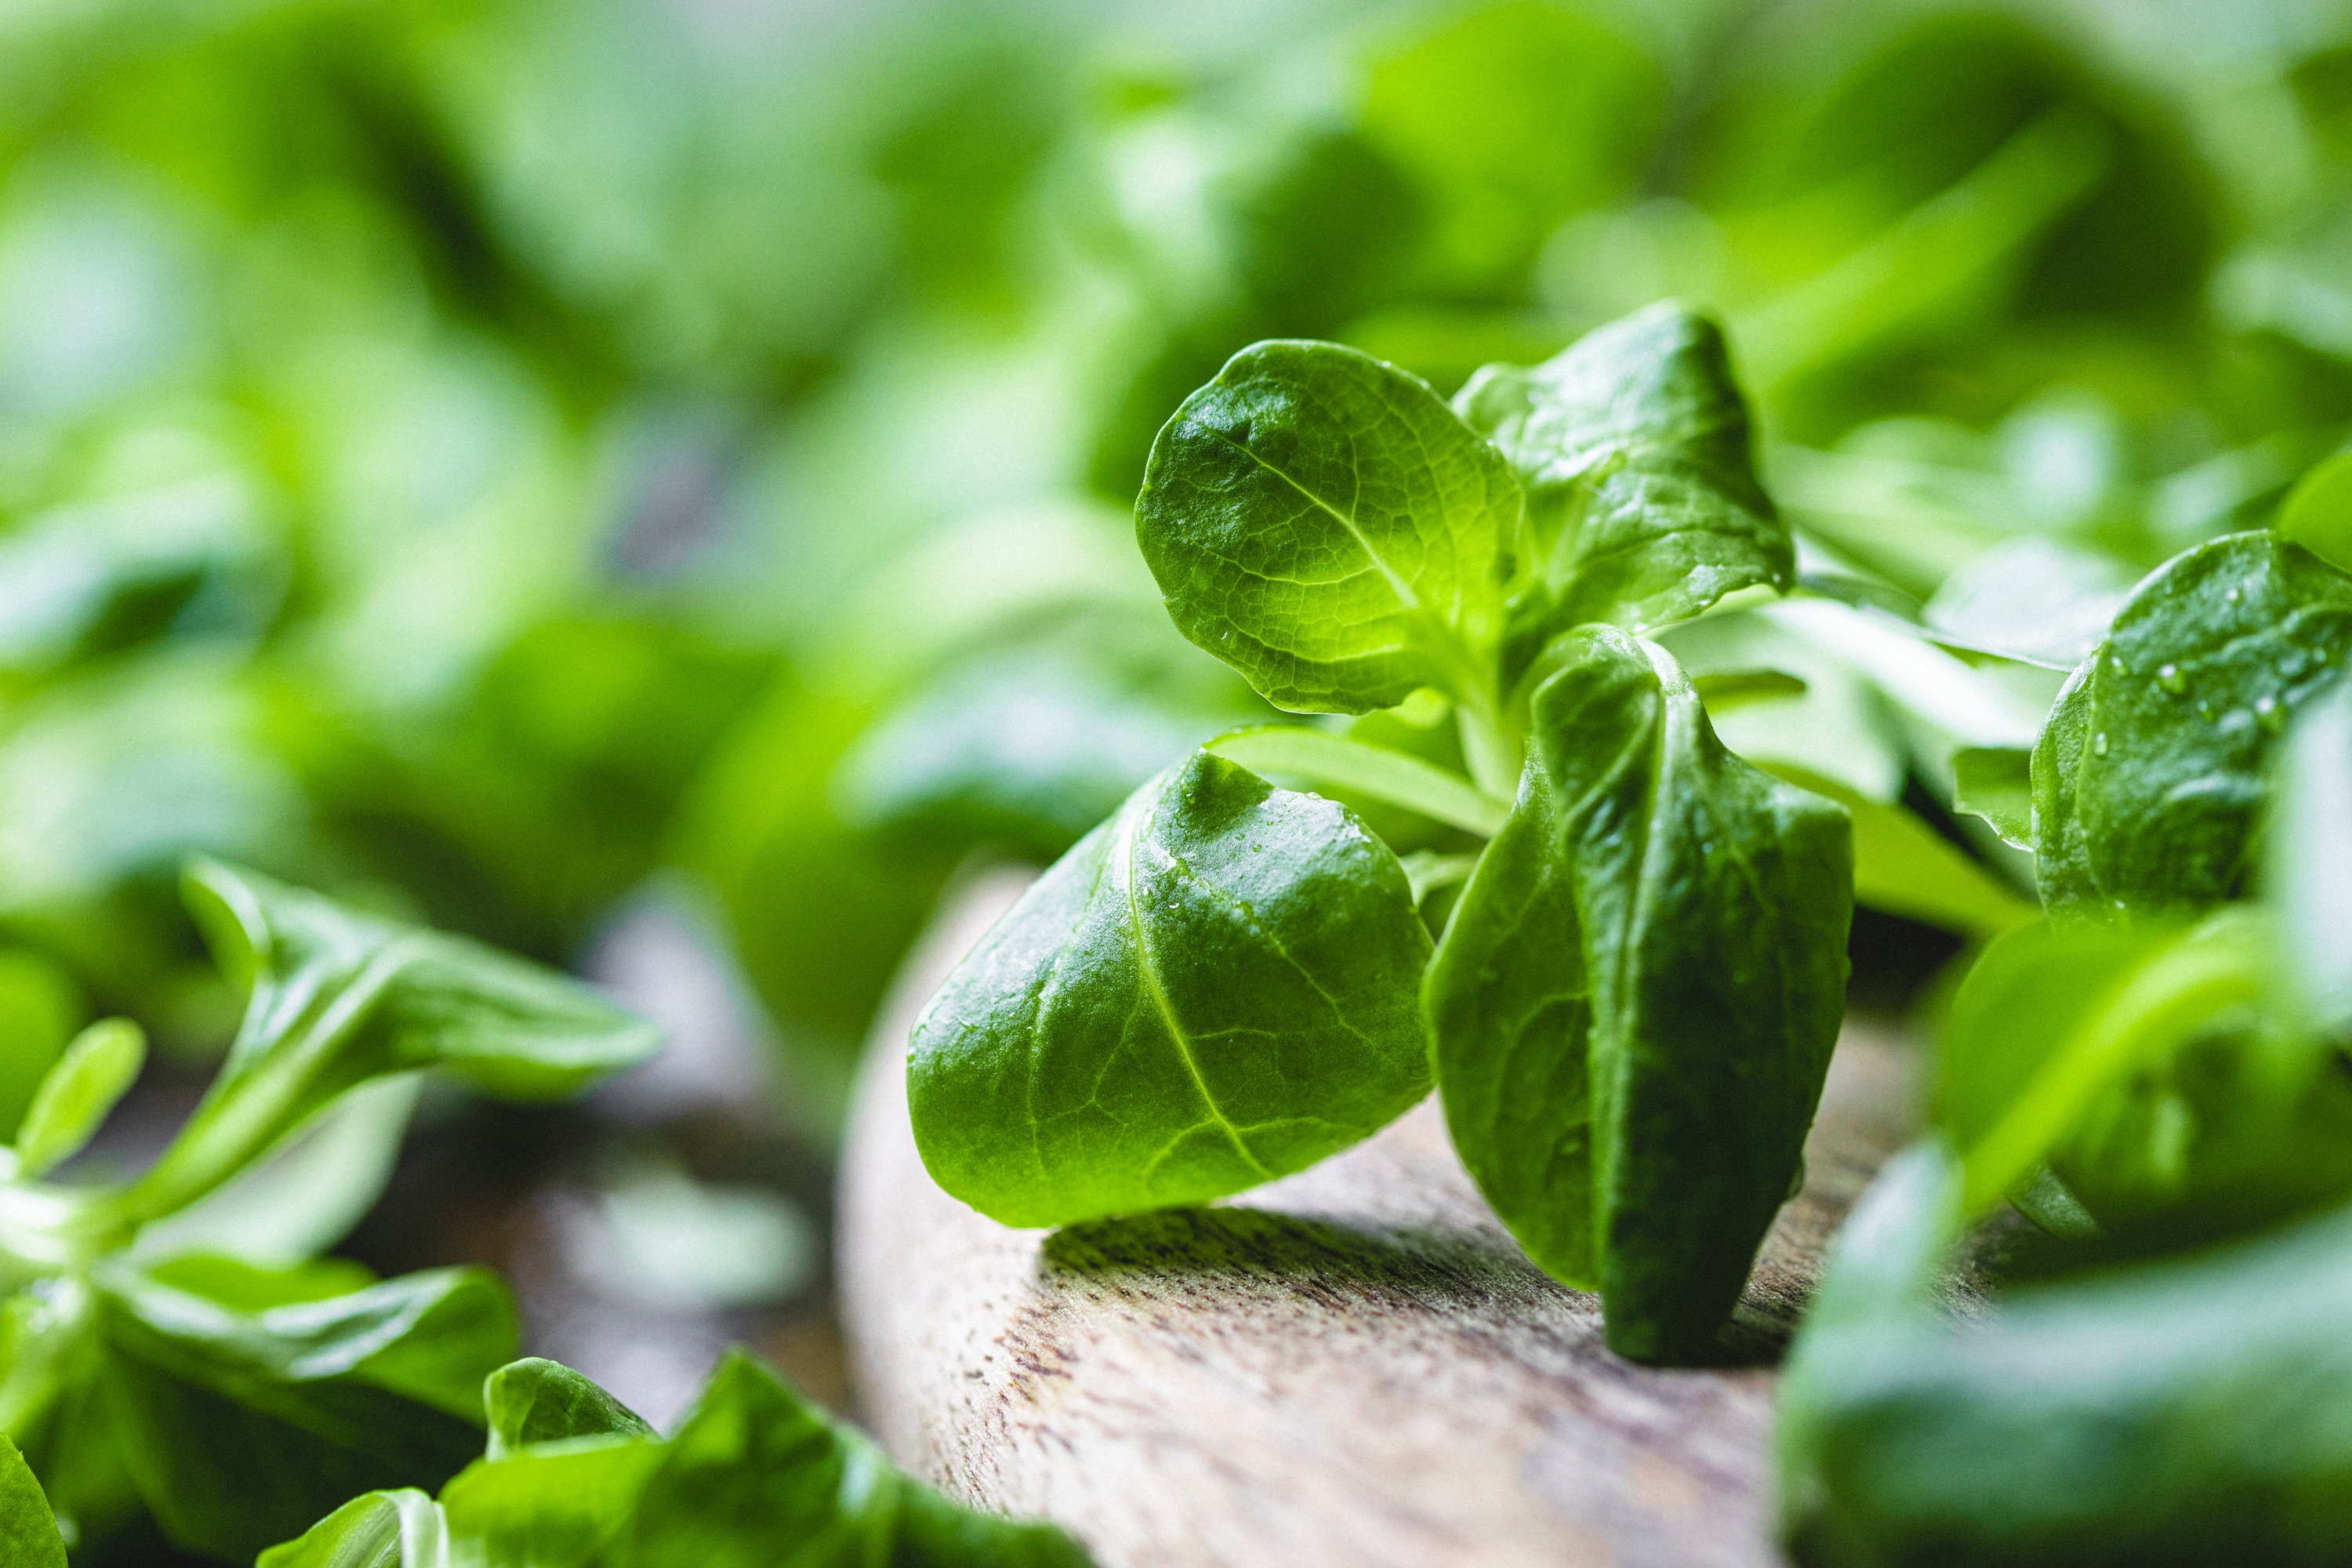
(1215, 987)
(1320, 521)
(1638, 996)
(1637, 454)
(2150, 774)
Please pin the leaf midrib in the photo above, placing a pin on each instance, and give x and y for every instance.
(1154, 988)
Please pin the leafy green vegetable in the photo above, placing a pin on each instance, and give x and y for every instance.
(338, 999)
(240, 1426)
(237, 1399)
(2187, 1411)
(1635, 1129)
(1321, 522)
(2148, 777)
(1214, 988)
(97, 1069)
(572, 1479)
(28, 1532)
(1634, 450)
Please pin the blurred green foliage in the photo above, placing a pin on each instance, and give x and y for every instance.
(476, 456)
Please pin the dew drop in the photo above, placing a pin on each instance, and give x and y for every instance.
(2168, 676)
(2099, 743)
(2264, 703)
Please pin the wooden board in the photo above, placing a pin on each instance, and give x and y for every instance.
(1353, 1366)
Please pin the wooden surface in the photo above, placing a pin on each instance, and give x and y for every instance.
(1355, 1366)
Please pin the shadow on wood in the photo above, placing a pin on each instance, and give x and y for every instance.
(1355, 1366)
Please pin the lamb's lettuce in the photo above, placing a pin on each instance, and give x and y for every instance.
(237, 1400)
(1214, 988)
(1634, 450)
(1638, 993)
(574, 1479)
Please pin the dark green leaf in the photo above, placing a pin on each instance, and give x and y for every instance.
(1638, 994)
(29, 1531)
(338, 998)
(242, 1428)
(2150, 774)
(1321, 522)
(2184, 1412)
(1634, 449)
(1213, 989)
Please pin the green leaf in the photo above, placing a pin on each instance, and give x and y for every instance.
(538, 1401)
(1634, 449)
(2308, 871)
(1996, 783)
(242, 1428)
(1214, 988)
(2185, 1411)
(2317, 513)
(29, 1531)
(1636, 1126)
(403, 1529)
(40, 1009)
(338, 998)
(1906, 867)
(96, 1070)
(753, 1465)
(2150, 776)
(2117, 1055)
(1321, 522)
(1314, 758)
(556, 1504)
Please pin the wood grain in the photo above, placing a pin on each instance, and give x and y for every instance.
(1352, 1367)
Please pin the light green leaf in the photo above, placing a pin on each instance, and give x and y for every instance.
(753, 1464)
(304, 1196)
(2308, 874)
(338, 998)
(96, 1070)
(403, 1529)
(1214, 988)
(1906, 867)
(1320, 521)
(29, 1531)
(2065, 1045)
(1637, 1129)
(1996, 783)
(555, 1504)
(2032, 599)
(1311, 758)
(2150, 776)
(2317, 513)
(1634, 449)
